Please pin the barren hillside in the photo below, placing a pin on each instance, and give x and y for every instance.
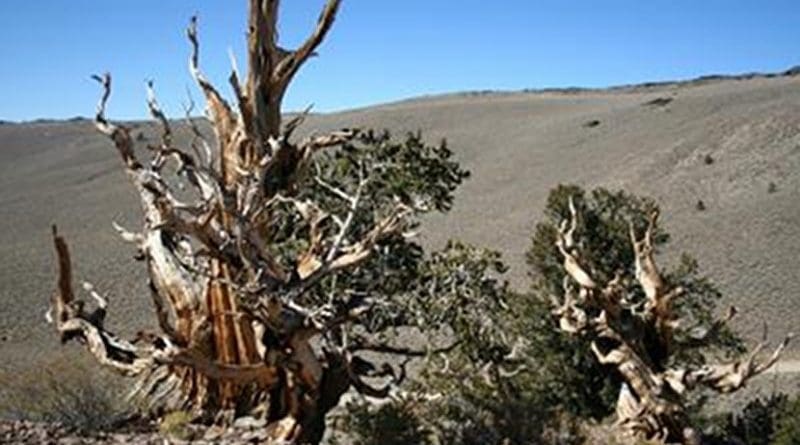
(733, 144)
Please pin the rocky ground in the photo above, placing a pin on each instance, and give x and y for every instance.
(246, 430)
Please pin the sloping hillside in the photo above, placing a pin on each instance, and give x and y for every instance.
(733, 144)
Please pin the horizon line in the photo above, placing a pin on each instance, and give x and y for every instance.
(792, 71)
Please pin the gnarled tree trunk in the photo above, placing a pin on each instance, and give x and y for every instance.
(234, 336)
(636, 337)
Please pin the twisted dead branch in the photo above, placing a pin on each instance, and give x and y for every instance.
(637, 339)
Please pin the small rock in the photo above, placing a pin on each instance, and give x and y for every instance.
(119, 438)
(213, 433)
(250, 423)
(254, 436)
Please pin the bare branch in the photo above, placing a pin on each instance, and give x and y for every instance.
(566, 245)
(197, 135)
(219, 109)
(572, 319)
(119, 134)
(288, 66)
(732, 376)
(295, 122)
(646, 270)
(345, 226)
(128, 236)
(158, 114)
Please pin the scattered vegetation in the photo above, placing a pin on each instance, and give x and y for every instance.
(396, 423)
(555, 379)
(700, 205)
(65, 391)
(772, 187)
(291, 275)
(175, 425)
(793, 71)
(770, 420)
(658, 102)
(708, 159)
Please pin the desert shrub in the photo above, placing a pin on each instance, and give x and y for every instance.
(176, 425)
(64, 391)
(787, 424)
(756, 423)
(509, 411)
(485, 391)
(658, 102)
(397, 422)
(772, 187)
(772, 420)
(700, 205)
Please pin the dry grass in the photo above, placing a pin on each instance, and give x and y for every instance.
(63, 390)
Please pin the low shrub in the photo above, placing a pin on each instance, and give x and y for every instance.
(67, 391)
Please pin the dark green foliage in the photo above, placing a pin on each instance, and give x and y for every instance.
(788, 424)
(756, 424)
(658, 102)
(772, 187)
(513, 378)
(582, 386)
(568, 376)
(459, 293)
(482, 385)
(381, 173)
(773, 420)
(486, 408)
(453, 299)
(394, 423)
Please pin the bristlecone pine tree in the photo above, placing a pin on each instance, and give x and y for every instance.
(632, 323)
(274, 264)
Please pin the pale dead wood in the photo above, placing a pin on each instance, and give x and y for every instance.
(72, 321)
(234, 331)
(651, 399)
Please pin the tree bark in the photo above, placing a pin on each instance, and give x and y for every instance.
(233, 339)
(637, 339)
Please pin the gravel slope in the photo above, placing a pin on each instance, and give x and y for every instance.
(518, 146)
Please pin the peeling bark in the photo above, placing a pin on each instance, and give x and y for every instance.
(234, 337)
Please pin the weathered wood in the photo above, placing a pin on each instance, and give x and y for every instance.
(651, 403)
(234, 336)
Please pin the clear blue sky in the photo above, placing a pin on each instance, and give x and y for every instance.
(381, 50)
